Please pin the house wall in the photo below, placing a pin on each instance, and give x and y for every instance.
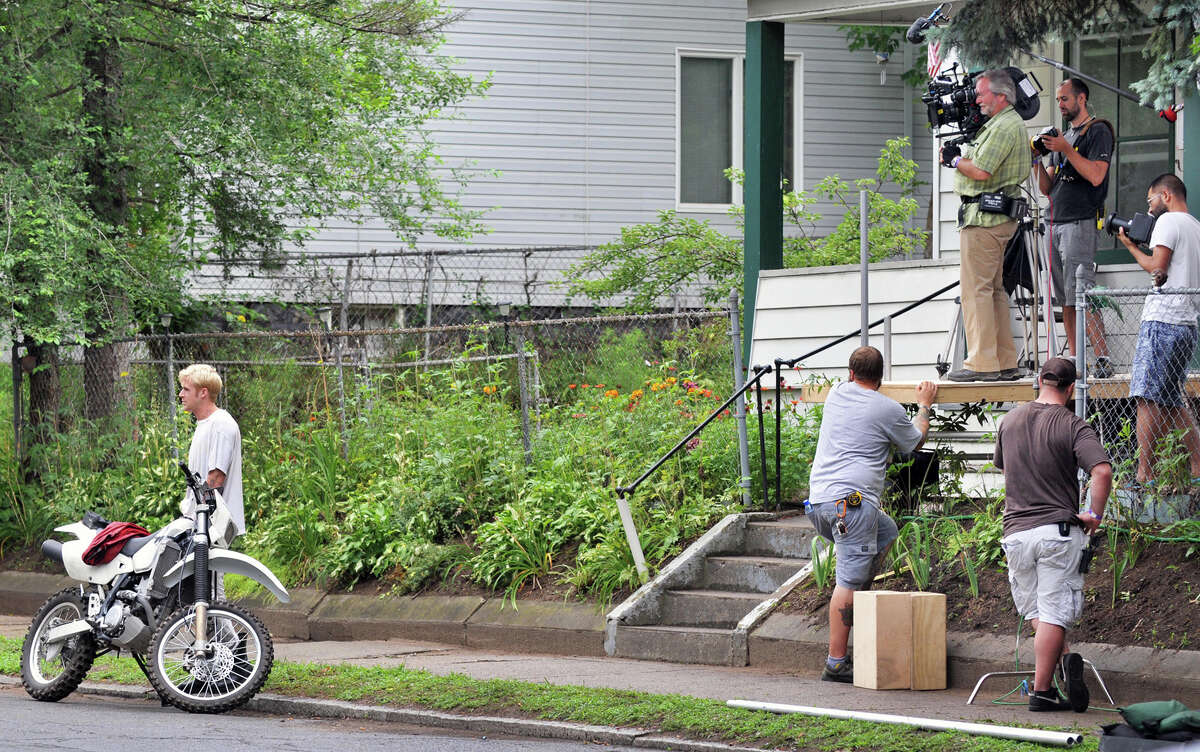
(580, 127)
(800, 310)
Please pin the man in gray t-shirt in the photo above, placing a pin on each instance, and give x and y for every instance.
(859, 429)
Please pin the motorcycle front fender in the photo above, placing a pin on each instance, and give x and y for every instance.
(231, 562)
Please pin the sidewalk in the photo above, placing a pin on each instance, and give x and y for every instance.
(711, 682)
(562, 643)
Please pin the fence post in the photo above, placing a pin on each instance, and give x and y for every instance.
(864, 254)
(887, 348)
(173, 411)
(524, 390)
(428, 303)
(537, 391)
(739, 407)
(344, 324)
(1080, 346)
(16, 382)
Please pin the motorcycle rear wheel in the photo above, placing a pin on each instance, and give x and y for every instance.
(224, 677)
(51, 672)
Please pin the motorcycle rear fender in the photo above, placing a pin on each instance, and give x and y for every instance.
(231, 562)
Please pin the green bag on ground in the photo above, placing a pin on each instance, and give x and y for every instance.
(1187, 720)
(1147, 717)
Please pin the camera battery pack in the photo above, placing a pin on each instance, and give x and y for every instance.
(994, 203)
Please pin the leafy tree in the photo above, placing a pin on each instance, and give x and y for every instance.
(993, 32)
(140, 137)
(651, 261)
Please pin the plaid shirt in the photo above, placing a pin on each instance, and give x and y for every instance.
(1001, 149)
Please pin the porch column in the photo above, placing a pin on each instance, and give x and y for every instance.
(1191, 149)
(763, 161)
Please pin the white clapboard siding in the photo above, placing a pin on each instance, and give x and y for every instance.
(580, 119)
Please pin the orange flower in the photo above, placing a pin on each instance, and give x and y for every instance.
(570, 386)
(637, 393)
(611, 393)
(489, 390)
(599, 386)
(679, 402)
(671, 379)
(585, 386)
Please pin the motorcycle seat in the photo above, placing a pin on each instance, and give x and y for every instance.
(133, 545)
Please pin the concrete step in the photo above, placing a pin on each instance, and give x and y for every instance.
(720, 609)
(755, 574)
(675, 644)
(790, 538)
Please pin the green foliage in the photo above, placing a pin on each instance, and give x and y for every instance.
(887, 39)
(139, 138)
(1172, 48)
(912, 551)
(823, 563)
(650, 261)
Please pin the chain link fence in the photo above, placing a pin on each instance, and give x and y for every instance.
(1153, 438)
(293, 375)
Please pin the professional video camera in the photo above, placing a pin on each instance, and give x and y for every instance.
(950, 100)
(1137, 228)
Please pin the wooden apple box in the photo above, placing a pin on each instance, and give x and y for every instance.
(899, 640)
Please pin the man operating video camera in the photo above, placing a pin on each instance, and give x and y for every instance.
(987, 179)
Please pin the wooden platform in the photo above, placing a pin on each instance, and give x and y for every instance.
(905, 392)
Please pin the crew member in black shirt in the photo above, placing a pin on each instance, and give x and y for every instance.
(1077, 184)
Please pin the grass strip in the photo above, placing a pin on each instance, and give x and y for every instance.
(680, 715)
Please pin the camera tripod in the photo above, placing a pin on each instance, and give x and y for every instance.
(1027, 235)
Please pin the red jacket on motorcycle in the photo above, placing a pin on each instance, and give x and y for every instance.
(109, 542)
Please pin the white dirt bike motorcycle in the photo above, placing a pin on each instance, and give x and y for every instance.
(156, 601)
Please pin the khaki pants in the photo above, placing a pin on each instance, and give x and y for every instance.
(986, 316)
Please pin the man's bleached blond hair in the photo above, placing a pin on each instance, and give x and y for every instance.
(202, 376)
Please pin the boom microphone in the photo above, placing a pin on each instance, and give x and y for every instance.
(916, 32)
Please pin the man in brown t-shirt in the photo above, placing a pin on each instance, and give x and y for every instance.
(1040, 446)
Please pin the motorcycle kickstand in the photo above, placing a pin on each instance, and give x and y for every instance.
(137, 658)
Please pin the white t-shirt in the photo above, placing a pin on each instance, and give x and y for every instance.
(859, 428)
(1180, 232)
(217, 445)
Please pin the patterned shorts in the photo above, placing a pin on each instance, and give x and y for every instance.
(1160, 363)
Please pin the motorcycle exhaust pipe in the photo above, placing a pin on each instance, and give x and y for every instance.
(52, 550)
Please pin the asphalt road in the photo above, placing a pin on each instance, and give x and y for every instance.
(102, 724)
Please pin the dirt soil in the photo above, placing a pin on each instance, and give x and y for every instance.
(1157, 603)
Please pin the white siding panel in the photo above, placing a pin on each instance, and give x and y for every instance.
(580, 119)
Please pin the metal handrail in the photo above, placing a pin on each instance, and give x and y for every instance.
(624, 492)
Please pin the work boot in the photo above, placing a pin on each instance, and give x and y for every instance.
(1047, 702)
(1009, 374)
(842, 672)
(1077, 691)
(966, 374)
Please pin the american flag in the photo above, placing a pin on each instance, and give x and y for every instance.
(934, 58)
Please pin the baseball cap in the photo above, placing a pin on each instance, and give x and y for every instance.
(1058, 372)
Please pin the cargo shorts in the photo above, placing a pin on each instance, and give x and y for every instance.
(1043, 573)
(869, 531)
(1072, 244)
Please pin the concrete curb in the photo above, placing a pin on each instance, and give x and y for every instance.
(272, 704)
(554, 627)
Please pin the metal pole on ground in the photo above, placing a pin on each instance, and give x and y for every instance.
(864, 258)
(631, 536)
(739, 407)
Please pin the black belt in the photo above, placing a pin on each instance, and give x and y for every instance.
(969, 199)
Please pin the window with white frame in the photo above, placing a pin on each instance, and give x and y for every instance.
(710, 88)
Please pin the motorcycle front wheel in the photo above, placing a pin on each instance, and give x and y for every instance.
(222, 676)
(51, 671)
